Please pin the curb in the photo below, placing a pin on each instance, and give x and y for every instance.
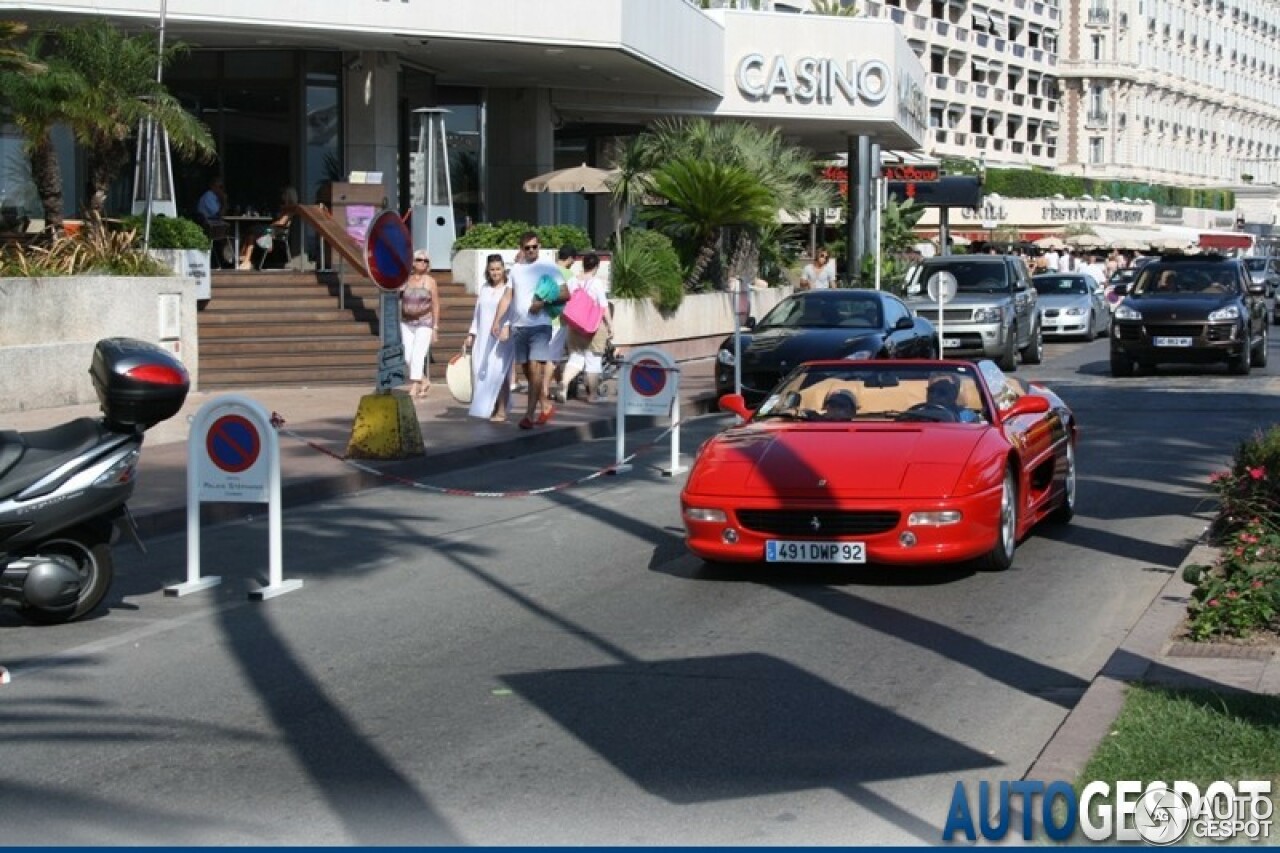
(1148, 655)
(310, 487)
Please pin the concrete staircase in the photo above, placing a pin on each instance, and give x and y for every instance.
(286, 328)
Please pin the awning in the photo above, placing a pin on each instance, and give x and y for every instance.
(1225, 240)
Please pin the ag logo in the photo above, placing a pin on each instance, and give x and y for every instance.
(1162, 816)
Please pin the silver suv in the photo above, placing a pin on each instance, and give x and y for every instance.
(993, 313)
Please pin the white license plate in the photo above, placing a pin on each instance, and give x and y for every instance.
(951, 343)
(784, 551)
(1173, 342)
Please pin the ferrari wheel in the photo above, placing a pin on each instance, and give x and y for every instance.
(1000, 557)
(1067, 510)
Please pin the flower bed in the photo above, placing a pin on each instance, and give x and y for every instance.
(1238, 597)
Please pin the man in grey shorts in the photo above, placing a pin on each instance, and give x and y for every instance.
(531, 328)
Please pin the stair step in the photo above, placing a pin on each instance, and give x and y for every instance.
(252, 315)
(327, 361)
(273, 346)
(240, 378)
(289, 330)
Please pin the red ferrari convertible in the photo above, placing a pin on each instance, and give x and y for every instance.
(895, 462)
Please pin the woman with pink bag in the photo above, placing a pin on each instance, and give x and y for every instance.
(586, 346)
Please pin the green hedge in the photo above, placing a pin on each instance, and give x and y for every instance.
(169, 232)
(506, 235)
(1038, 183)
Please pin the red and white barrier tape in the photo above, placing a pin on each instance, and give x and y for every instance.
(278, 421)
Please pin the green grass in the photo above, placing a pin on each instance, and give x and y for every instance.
(1194, 735)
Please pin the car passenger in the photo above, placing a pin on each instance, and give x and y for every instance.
(944, 391)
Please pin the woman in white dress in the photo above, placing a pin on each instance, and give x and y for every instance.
(490, 343)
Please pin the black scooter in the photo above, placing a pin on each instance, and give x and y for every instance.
(63, 490)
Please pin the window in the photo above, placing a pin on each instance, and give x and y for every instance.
(1095, 150)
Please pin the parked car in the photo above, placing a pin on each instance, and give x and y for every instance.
(818, 324)
(910, 463)
(1266, 271)
(1194, 309)
(993, 313)
(1072, 305)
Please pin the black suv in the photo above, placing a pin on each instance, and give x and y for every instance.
(1190, 308)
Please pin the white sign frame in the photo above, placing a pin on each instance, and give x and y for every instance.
(258, 483)
(666, 402)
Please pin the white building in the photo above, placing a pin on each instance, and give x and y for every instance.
(301, 93)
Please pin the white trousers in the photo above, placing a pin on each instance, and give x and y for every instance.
(417, 346)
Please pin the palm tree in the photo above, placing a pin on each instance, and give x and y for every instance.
(13, 58)
(703, 198)
(834, 7)
(35, 96)
(124, 93)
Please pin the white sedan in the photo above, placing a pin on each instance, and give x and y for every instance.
(1072, 305)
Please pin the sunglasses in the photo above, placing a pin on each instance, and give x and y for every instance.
(532, 247)
(419, 260)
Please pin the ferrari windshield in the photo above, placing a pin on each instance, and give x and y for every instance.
(825, 309)
(871, 391)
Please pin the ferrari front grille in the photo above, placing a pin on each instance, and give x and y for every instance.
(817, 524)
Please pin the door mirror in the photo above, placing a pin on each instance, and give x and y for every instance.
(904, 323)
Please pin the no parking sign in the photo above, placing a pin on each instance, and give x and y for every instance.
(649, 383)
(233, 455)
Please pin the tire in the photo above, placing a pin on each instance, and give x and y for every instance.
(1000, 557)
(1121, 364)
(1239, 365)
(1008, 360)
(92, 556)
(1034, 353)
(1067, 510)
(1260, 351)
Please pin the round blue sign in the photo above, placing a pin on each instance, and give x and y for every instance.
(233, 443)
(389, 250)
(648, 377)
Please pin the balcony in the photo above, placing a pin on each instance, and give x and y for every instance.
(980, 89)
(1098, 17)
(1020, 51)
(920, 22)
(997, 143)
(1019, 99)
(962, 87)
(1037, 103)
(982, 39)
(1035, 149)
(940, 81)
(941, 27)
(1037, 55)
(1095, 119)
(939, 135)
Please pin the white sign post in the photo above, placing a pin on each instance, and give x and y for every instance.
(233, 456)
(942, 288)
(650, 385)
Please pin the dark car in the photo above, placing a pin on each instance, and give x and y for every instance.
(1266, 271)
(1191, 309)
(822, 324)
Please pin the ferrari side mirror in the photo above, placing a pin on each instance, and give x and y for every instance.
(737, 404)
(1028, 404)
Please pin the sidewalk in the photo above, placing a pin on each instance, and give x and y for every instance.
(324, 415)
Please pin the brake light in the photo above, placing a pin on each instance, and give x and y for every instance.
(158, 374)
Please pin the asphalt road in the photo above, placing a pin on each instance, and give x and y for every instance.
(557, 670)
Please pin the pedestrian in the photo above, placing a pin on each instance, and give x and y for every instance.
(559, 329)
(531, 327)
(821, 274)
(419, 322)
(210, 210)
(586, 351)
(489, 341)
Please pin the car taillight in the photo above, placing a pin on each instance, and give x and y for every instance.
(158, 374)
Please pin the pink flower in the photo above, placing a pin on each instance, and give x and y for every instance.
(1213, 602)
(1248, 538)
(1258, 473)
(1232, 594)
(1219, 475)
(1256, 585)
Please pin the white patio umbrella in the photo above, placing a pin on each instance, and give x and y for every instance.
(1050, 243)
(578, 179)
(1086, 241)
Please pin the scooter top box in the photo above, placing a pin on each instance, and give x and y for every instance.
(138, 384)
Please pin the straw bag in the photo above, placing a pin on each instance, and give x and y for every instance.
(458, 377)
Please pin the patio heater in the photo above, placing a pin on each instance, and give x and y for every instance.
(432, 194)
(153, 174)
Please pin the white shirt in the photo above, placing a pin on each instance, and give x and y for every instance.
(820, 279)
(524, 282)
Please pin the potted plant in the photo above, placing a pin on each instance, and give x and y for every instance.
(179, 243)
